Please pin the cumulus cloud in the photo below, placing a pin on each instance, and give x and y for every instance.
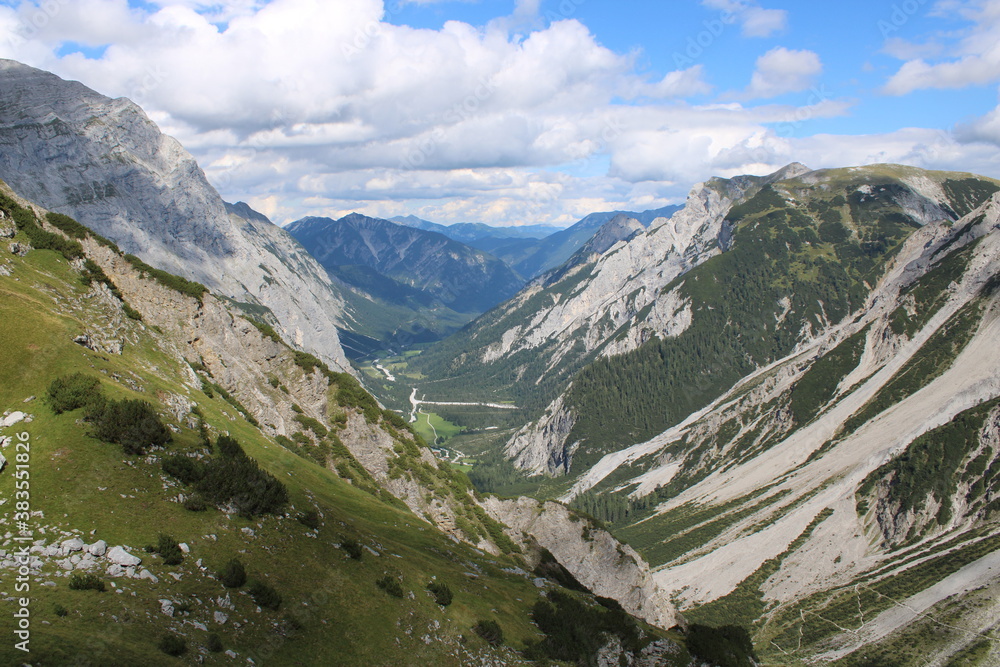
(755, 21)
(975, 55)
(315, 107)
(781, 71)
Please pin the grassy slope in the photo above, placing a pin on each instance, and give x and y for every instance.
(347, 620)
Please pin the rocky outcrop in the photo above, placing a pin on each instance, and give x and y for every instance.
(105, 163)
(598, 561)
(540, 447)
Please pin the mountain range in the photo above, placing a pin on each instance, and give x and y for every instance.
(761, 428)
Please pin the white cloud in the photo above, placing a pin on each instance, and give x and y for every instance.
(781, 71)
(975, 56)
(755, 21)
(316, 107)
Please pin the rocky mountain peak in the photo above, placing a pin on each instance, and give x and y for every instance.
(105, 163)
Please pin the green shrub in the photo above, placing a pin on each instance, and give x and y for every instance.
(490, 631)
(233, 478)
(60, 610)
(233, 574)
(313, 425)
(195, 503)
(352, 547)
(441, 592)
(87, 582)
(70, 392)
(184, 468)
(309, 519)
(214, 643)
(264, 595)
(574, 631)
(229, 447)
(174, 645)
(133, 424)
(727, 646)
(169, 280)
(169, 550)
(390, 585)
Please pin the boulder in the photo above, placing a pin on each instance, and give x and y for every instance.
(119, 556)
(98, 548)
(146, 574)
(71, 545)
(12, 418)
(184, 548)
(220, 617)
(19, 249)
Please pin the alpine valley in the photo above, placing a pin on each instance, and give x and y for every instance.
(760, 428)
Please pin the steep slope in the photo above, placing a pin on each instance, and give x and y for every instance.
(432, 266)
(338, 554)
(102, 161)
(843, 497)
(801, 255)
(527, 349)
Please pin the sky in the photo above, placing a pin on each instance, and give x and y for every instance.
(515, 112)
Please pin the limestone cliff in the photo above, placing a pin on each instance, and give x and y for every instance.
(105, 163)
(591, 554)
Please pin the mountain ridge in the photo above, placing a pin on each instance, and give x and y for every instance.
(105, 163)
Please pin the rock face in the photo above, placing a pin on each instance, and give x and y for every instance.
(103, 162)
(592, 555)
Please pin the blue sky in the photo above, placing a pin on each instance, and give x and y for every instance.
(529, 111)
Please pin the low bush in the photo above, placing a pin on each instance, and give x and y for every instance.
(233, 574)
(184, 468)
(214, 643)
(87, 582)
(60, 610)
(490, 631)
(390, 585)
(195, 503)
(235, 479)
(352, 547)
(441, 592)
(265, 595)
(174, 645)
(70, 392)
(309, 519)
(133, 424)
(169, 550)
(727, 646)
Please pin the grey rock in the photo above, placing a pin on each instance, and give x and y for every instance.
(119, 556)
(146, 574)
(105, 163)
(220, 617)
(98, 548)
(73, 545)
(19, 249)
